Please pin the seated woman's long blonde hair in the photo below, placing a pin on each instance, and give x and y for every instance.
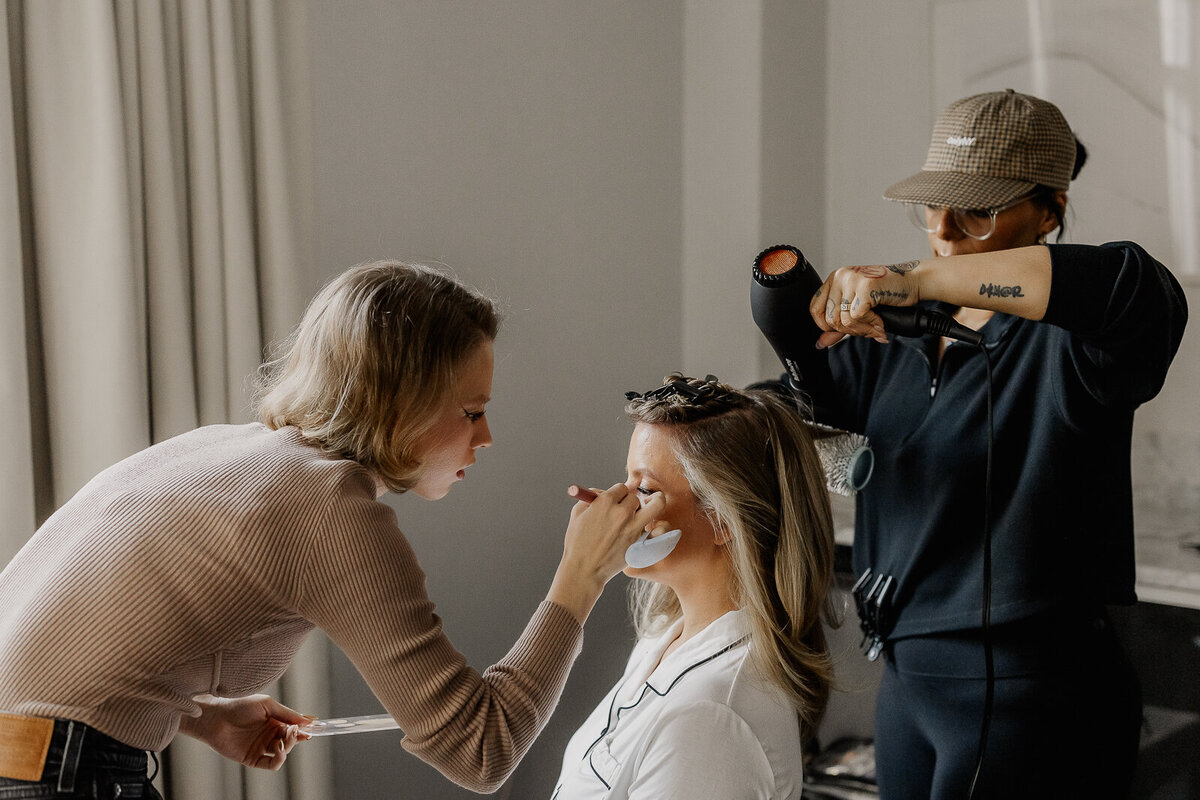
(371, 362)
(752, 467)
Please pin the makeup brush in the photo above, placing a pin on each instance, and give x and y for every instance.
(645, 551)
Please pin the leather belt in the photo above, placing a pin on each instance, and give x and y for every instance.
(24, 742)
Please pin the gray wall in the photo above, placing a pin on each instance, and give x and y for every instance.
(557, 155)
(533, 147)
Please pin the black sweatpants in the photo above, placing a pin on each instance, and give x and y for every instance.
(1065, 723)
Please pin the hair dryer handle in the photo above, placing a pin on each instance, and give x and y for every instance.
(915, 321)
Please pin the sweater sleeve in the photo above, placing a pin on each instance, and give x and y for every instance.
(1127, 311)
(363, 587)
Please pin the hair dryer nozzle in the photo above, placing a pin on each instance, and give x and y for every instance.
(784, 283)
(777, 261)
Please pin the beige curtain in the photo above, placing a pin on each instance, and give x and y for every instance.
(152, 220)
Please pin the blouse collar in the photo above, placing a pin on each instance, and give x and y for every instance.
(719, 636)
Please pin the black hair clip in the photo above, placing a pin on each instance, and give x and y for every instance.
(873, 610)
(677, 387)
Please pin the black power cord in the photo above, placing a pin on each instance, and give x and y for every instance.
(989, 666)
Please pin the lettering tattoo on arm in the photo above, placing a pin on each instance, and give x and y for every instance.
(880, 294)
(992, 290)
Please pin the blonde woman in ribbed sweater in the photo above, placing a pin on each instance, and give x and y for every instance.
(182, 580)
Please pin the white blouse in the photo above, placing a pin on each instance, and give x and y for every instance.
(702, 725)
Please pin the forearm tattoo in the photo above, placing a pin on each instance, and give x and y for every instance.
(880, 294)
(903, 269)
(992, 290)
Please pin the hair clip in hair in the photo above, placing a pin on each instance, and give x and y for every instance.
(678, 387)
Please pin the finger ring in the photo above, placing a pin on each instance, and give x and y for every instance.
(845, 305)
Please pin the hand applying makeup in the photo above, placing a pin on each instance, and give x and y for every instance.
(599, 533)
(655, 543)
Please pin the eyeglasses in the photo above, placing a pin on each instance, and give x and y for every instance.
(977, 223)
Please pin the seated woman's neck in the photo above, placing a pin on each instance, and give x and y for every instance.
(704, 599)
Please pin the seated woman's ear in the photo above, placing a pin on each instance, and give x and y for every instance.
(721, 534)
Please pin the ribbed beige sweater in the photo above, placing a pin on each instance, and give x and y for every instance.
(198, 566)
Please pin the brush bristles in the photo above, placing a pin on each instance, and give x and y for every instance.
(847, 459)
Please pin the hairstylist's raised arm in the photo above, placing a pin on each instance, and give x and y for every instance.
(1015, 281)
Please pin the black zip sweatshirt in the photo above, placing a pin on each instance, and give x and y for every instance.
(1065, 390)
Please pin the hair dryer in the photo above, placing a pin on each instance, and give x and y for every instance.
(784, 284)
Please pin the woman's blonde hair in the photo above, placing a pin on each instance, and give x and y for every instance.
(753, 469)
(370, 364)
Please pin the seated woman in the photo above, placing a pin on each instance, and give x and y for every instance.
(731, 671)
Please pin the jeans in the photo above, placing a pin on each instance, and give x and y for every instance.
(83, 763)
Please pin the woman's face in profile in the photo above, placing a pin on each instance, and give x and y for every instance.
(652, 467)
(448, 448)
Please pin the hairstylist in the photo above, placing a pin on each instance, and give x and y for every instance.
(1077, 336)
(183, 579)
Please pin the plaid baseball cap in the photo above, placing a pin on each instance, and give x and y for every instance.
(989, 149)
